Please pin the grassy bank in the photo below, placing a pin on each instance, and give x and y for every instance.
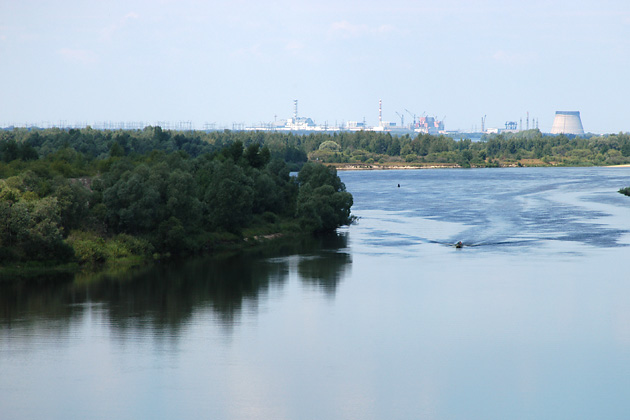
(122, 252)
(33, 270)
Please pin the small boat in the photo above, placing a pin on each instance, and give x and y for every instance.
(458, 244)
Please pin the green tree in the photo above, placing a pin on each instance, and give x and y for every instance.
(116, 150)
(227, 196)
(322, 203)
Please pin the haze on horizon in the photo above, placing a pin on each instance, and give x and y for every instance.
(244, 61)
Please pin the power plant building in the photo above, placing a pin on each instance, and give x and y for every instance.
(567, 122)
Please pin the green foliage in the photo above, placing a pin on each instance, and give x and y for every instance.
(323, 203)
(89, 248)
(256, 156)
(625, 191)
(128, 194)
(228, 197)
(30, 227)
(329, 145)
(92, 248)
(116, 150)
(133, 201)
(99, 149)
(172, 236)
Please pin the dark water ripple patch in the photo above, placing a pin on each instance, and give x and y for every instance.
(608, 198)
(391, 243)
(506, 207)
(391, 239)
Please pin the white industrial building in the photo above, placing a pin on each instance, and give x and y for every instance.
(567, 122)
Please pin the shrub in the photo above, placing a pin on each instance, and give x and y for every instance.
(88, 247)
(270, 217)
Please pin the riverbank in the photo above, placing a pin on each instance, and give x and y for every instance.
(225, 243)
(27, 271)
(525, 163)
(379, 166)
(434, 165)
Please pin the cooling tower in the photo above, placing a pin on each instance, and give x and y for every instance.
(567, 122)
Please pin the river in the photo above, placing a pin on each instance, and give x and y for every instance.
(384, 320)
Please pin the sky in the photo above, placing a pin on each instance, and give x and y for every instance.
(245, 61)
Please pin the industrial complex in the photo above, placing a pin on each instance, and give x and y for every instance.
(422, 124)
(565, 122)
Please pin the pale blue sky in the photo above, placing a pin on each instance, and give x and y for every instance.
(245, 61)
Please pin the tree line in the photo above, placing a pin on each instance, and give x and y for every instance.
(94, 196)
(28, 144)
(527, 147)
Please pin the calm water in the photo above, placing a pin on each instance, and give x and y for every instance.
(383, 321)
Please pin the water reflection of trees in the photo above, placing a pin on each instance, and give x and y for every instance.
(45, 298)
(168, 295)
(326, 265)
(165, 297)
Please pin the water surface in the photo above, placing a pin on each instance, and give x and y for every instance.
(385, 320)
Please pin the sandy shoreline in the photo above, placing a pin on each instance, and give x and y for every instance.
(366, 167)
(389, 167)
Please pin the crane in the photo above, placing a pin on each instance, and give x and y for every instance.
(413, 115)
(402, 118)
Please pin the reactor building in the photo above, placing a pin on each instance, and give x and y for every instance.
(567, 122)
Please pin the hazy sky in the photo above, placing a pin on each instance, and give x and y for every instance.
(245, 61)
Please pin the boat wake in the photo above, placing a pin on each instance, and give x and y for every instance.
(473, 244)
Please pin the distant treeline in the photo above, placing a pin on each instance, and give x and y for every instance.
(92, 196)
(527, 147)
(28, 144)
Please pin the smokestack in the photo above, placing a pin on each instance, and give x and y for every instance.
(380, 112)
(528, 120)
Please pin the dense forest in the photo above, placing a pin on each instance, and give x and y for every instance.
(94, 196)
(526, 148)
(97, 195)
(529, 147)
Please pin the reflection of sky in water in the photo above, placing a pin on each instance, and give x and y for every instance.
(380, 322)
